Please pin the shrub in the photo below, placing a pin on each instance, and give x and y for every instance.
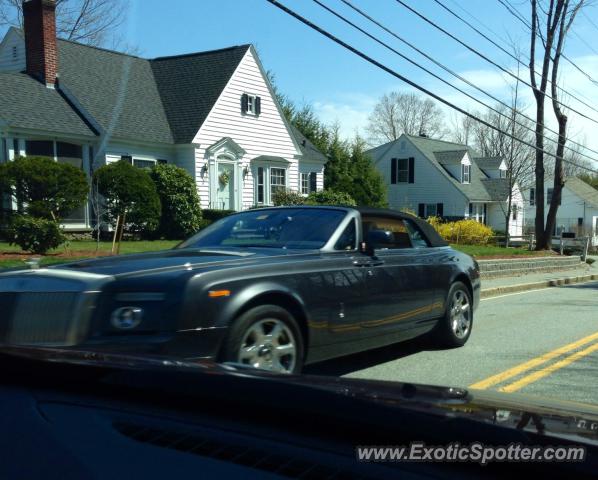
(330, 197)
(213, 215)
(464, 232)
(43, 187)
(287, 197)
(181, 213)
(36, 235)
(129, 191)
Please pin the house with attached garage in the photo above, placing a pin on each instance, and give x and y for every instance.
(577, 213)
(438, 178)
(212, 113)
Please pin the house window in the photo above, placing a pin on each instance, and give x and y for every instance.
(143, 163)
(127, 158)
(39, 148)
(277, 179)
(515, 212)
(503, 173)
(250, 104)
(430, 210)
(549, 192)
(402, 170)
(260, 185)
(309, 182)
(465, 171)
(14, 52)
(532, 196)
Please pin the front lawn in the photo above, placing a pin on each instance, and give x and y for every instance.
(12, 256)
(490, 251)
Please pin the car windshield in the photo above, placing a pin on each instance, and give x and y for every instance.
(277, 228)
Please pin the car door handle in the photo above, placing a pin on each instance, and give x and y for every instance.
(368, 263)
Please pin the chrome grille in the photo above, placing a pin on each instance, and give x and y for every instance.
(43, 318)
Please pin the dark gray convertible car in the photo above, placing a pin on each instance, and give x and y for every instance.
(271, 288)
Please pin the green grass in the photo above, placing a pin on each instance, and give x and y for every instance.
(480, 251)
(80, 249)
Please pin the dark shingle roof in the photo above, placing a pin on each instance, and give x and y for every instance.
(488, 163)
(117, 90)
(189, 86)
(497, 188)
(308, 149)
(473, 191)
(28, 103)
(450, 157)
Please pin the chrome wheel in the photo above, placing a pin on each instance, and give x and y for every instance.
(460, 314)
(270, 345)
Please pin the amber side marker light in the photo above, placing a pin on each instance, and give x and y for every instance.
(219, 293)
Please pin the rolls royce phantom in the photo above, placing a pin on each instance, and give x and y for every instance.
(271, 288)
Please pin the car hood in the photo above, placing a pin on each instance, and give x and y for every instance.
(176, 259)
(565, 420)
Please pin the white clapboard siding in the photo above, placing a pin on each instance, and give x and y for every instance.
(263, 135)
(12, 52)
(430, 186)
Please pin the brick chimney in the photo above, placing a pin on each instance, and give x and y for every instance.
(40, 40)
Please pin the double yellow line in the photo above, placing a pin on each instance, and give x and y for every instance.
(536, 362)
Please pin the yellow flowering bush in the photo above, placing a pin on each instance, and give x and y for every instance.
(464, 232)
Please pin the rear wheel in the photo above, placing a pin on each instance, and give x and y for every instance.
(265, 337)
(454, 328)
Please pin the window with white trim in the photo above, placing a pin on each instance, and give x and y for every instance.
(402, 170)
(465, 173)
(309, 182)
(141, 163)
(431, 210)
(267, 181)
(502, 173)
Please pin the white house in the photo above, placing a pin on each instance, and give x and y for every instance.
(577, 213)
(434, 177)
(212, 113)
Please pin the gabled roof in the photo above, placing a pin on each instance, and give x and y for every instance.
(308, 149)
(584, 191)
(473, 191)
(489, 163)
(497, 188)
(28, 104)
(189, 86)
(450, 157)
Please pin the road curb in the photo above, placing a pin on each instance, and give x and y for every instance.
(522, 287)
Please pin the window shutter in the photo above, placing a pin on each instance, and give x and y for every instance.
(440, 209)
(244, 101)
(313, 182)
(411, 170)
(421, 211)
(393, 171)
(258, 105)
(470, 209)
(532, 196)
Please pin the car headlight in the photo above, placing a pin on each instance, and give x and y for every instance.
(126, 318)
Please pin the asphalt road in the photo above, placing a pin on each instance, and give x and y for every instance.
(542, 342)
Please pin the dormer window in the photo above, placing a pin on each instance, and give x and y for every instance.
(465, 173)
(503, 173)
(250, 104)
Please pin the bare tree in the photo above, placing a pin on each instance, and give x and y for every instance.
(397, 113)
(93, 22)
(462, 128)
(550, 23)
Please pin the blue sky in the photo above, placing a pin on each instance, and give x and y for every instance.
(341, 86)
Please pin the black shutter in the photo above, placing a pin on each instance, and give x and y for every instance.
(393, 171)
(421, 210)
(411, 170)
(244, 102)
(532, 196)
(313, 182)
(258, 105)
(440, 210)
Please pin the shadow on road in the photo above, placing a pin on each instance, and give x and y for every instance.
(583, 286)
(370, 358)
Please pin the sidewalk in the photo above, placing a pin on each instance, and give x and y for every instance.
(502, 285)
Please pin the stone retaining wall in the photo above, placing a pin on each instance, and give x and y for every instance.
(521, 266)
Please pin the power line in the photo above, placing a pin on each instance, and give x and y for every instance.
(386, 29)
(404, 79)
(526, 56)
(513, 11)
(489, 60)
(502, 49)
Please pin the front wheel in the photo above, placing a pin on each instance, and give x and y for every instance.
(265, 337)
(454, 328)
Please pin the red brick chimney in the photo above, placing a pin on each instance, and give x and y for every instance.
(40, 39)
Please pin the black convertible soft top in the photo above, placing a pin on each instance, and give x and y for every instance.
(432, 235)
